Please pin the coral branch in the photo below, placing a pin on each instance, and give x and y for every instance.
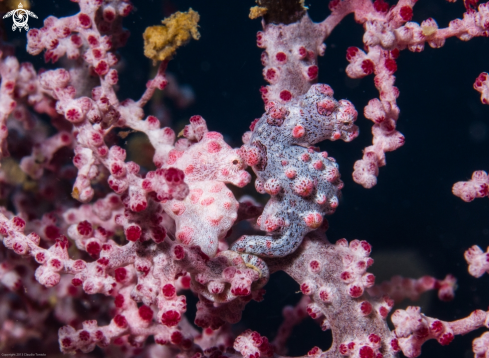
(112, 265)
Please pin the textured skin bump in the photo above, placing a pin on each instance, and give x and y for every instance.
(304, 185)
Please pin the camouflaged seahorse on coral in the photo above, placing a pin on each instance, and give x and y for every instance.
(208, 212)
(304, 184)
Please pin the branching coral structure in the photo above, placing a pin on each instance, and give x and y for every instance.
(131, 243)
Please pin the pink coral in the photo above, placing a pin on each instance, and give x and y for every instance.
(138, 239)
